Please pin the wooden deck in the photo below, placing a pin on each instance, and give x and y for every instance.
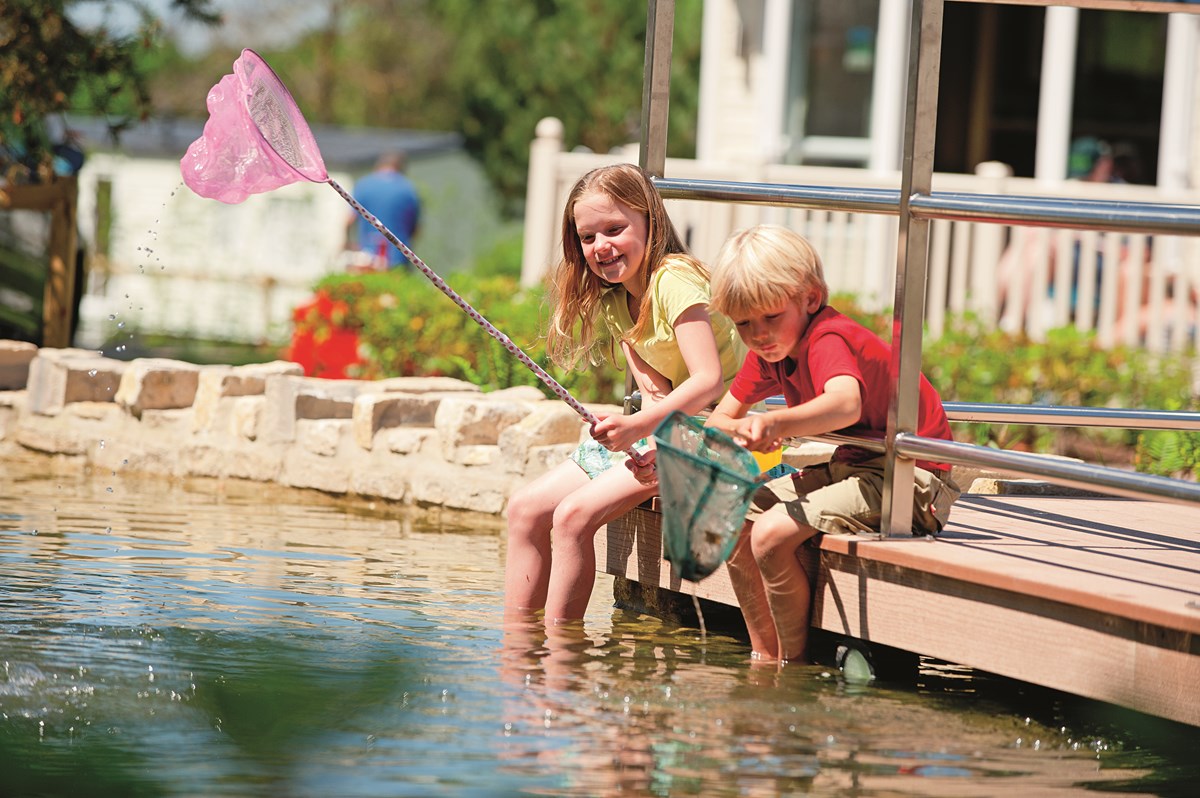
(1097, 597)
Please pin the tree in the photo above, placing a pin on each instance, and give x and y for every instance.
(578, 60)
(489, 69)
(49, 65)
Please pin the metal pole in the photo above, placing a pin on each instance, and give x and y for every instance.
(912, 258)
(656, 85)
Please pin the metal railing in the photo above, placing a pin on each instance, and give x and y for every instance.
(916, 205)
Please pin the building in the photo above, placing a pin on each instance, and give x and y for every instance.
(163, 260)
(822, 82)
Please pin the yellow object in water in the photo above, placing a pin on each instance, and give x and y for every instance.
(768, 460)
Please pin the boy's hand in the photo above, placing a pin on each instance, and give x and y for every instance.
(758, 432)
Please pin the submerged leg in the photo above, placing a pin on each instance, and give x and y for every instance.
(530, 514)
(775, 539)
(752, 598)
(575, 522)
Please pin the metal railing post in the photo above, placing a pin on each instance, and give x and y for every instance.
(912, 260)
(656, 85)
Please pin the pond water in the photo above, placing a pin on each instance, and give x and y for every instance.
(215, 638)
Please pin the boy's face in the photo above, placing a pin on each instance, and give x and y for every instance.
(774, 333)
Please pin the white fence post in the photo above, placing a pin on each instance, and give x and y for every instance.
(540, 200)
(987, 247)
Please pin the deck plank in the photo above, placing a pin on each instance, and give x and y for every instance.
(1099, 597)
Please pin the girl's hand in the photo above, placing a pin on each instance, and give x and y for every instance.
(643, 467)
(618, 432)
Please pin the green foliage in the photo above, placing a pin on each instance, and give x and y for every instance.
(50, 65)
(407, 327)
(488, 69)
(579, 60)
(971, 363)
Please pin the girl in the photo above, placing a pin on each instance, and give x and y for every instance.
(623, 263)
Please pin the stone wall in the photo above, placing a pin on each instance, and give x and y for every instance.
(414, 440)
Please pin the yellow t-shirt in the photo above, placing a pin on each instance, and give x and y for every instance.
(675, 288)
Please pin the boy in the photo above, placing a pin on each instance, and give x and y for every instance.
(833, 373)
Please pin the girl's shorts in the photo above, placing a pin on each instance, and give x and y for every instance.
(594, 459)
(847, 498)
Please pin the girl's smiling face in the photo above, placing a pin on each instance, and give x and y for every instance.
(613, 238)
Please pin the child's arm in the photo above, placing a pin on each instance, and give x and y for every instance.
(693, 333)
(727, 413)
(838, 407)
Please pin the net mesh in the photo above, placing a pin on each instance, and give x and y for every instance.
(279, 120)
(705, 483)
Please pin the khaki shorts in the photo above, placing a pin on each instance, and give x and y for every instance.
(847, 498)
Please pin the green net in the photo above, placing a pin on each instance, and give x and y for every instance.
(705, 482)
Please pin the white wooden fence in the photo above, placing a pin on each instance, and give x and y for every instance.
(1134, 289)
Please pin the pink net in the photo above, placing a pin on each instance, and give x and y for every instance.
(255, 139)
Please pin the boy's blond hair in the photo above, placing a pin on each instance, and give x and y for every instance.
(762, 267)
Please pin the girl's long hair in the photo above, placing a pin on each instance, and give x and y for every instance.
(575, 289)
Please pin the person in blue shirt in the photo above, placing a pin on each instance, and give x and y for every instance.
(392, 198)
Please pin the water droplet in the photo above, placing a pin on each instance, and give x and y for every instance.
(101, 443)
(108, 490)
(92, 373)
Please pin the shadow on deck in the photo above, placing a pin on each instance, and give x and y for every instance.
(1097, 597)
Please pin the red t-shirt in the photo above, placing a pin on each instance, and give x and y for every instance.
(832, 346)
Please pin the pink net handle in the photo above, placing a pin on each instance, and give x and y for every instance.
(491, 330)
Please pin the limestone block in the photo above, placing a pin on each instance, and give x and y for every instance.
(106, 412)
(218, 382)
(424, 385)
(520, 393)
(247, 410)
(992, 486)
(157, 384)
(486, 491)
(204, 460)
(474, 422)
(482, 455)
(58, 377)
(375, 411)
(806, 453)
(15, 357)
(42, 435)
(379, 482)
(321, 436)
(550, 423)
(302, 469)
(260, 464)
(541, 459)
(289, 399)
(406, 440)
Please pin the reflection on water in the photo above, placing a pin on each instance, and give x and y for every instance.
(234, 639)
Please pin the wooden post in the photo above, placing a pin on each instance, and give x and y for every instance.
(58, 301)
(59, 200)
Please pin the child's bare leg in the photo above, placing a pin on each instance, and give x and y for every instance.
(774, 541)
(530, 514)
(575, 522)
(752, 598)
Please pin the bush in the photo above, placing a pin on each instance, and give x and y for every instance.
(972, 363)
(408, 327)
